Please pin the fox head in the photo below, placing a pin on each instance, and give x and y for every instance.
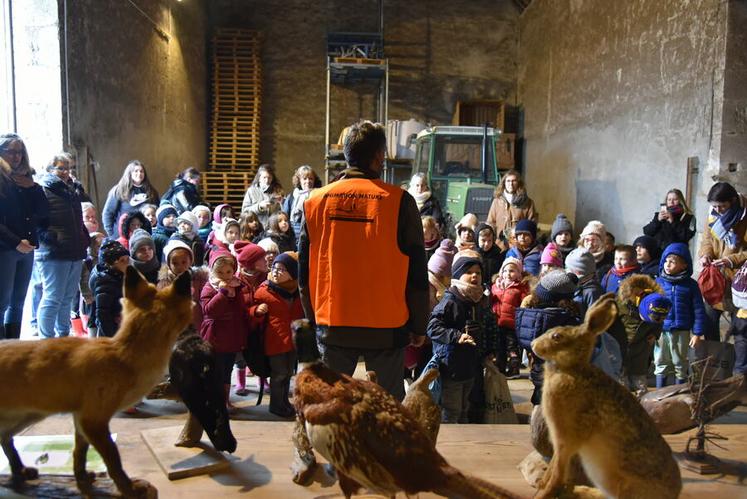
(569, 345)
(169, 309)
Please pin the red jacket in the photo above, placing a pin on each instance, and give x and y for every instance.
(506, 301)
(280, 313)
(226, 321)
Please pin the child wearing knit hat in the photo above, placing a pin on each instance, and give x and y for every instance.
(581, 263)
(165, 227)
(647, 253)
(143, 254)
(509, 289)
(186, 231)
(561, 235)
(550, 304)
(204, 217)
(551, 259)
(106, 283)
(593, 238)
(177, 258)
(526, 248)
(463, 330)
(279, 294)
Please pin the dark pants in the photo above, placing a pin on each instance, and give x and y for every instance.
(224, 365)
(281, 370)
(712, 331)
(15, 269)
(455, 400)
(537, 376)
(387, 363)
(739, 331)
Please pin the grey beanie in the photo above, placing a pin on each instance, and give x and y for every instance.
(561, 224)
(140, 238)
(555, 286)
(581, 262)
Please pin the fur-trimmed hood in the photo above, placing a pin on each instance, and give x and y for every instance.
(635, 286)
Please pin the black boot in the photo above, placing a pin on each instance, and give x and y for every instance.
(12, 331)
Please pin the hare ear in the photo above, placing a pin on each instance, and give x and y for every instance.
(601, 315)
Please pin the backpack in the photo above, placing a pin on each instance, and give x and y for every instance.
(712, 285)
(254, 355)
(739, 287)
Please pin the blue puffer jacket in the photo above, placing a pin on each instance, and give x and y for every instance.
(530, 260)
(532, 323)
(687, 310)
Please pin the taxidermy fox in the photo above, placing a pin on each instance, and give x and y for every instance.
(590, 414)
(93, 378)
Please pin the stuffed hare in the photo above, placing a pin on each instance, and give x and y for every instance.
(592, 415)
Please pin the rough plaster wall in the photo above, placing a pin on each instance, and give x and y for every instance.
(733, 161)
(440, 51)
(134, 94)
(617, 96)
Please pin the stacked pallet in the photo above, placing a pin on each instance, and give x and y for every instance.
(236, 84)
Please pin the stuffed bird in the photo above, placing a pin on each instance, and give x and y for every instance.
(369, 438)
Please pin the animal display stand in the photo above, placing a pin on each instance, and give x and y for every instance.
(182, 462)
(57, 487)
(698, 459)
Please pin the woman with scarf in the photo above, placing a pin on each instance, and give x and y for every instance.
(510, 205)
(427, 204)
(724, 242)
(23, 205)
(304, 181)
(673, 223)
(264, 197)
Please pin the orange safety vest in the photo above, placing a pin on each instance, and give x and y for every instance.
(357, 273)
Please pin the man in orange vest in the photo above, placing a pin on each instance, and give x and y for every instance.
(362, 269)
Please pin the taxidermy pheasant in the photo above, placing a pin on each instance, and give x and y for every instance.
(421, 405)
(369, 438)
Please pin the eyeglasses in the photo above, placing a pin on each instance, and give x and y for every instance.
(62, 168)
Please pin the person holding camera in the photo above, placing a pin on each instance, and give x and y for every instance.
(673, 223)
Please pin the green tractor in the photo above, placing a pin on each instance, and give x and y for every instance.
(460, 166)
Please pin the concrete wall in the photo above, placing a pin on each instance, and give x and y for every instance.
(134, 93)
(617, 97)
(440, 51)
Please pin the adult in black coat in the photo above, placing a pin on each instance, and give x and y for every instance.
(63, 241)
(184, 192)
(22, 206)
(673, 223)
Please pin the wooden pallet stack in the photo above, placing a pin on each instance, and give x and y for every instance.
(236, 84)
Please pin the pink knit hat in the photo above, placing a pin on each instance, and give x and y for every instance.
(551, 256)
(512, 261)
(440, 263)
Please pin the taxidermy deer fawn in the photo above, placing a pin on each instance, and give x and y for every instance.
(93, 378)
(590, 414)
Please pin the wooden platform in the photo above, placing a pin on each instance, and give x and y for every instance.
(260, 467)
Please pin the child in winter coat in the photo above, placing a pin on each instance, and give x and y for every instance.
(561, 235)
(580, 262)
(204, 217)
(251, 228)
(526, 247)
(550, 304)
(280, 294)
(177, 258)
(647, 254)
(143, 255)
(463, 330)
(271, 251)
(491, 254)
(642, 309)
(128, 223)
(224, 236)
(186, 225)
(221, 212)
(281, 232)
(252, 264)
(431, 235)
(106, 283)
(687, 314)
(165, 228)
(625, 266)
(149, 212)
(226, 323)
(510, 288)
(465, 232)
(551, 259)
(439, 271)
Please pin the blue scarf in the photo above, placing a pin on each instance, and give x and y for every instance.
(722, 225)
